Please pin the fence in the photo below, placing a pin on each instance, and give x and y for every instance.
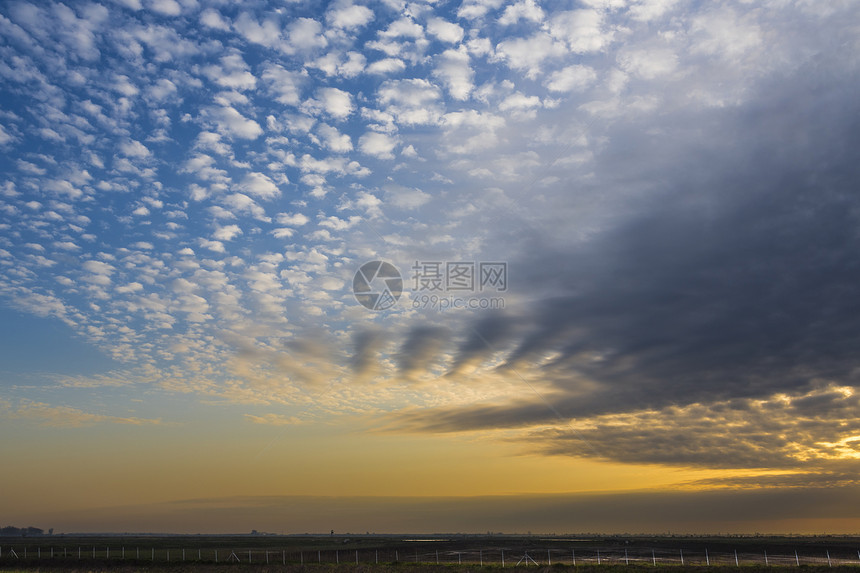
(495, 556)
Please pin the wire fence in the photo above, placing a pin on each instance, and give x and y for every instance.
(491, 556)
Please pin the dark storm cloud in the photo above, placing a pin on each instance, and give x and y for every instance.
(366, 346)
(752, 435)
(733, 276)
(482, 339)
(421, 348)
(807, 478)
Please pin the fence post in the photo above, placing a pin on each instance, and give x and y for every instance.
(356, 556)
(797, 559)
(626, 561)
(736, 558)
(828, 559)
(598, 556)
(653, 558)
(707, 558)
(481, 556)
(503, 558)
(765, 558)
(682, 556)
(573, 556)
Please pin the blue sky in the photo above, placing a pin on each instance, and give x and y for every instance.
(188, 189)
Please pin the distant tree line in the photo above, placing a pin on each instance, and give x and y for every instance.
(10, 531)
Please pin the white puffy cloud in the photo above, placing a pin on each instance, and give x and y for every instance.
(135, 149)
(165, 7)
(100, 272)
(647, 10)
(648, 63)
(469, 131)
(203, 166)
(241, 204)
(5, 136)
(233, 73)
(335, 102)
(411, 101)
(293, 219)
(348, 16)
(519, 102)
(521, 10)
(527, 54)
(453, 69)
(725, 34)
(266, 34)
(284, 84)
(403, 28)
(575, 78)
(582, 30)
(334, 140)
(232, 123)
(227, 233)
(215, 246)
(211, 18)
(473, 9)
(444, 30)
(337, 224)
(386, 66)
(161, 90)
(305, 34)
(283, 232)
(353, 65)
(122, 84)
(379, 145)
(260, 186)
(406, 197)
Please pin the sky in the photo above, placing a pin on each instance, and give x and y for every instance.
(430, 266)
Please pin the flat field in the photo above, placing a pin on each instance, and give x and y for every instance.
(414, 554)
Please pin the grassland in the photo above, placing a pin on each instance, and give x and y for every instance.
(409, 554)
